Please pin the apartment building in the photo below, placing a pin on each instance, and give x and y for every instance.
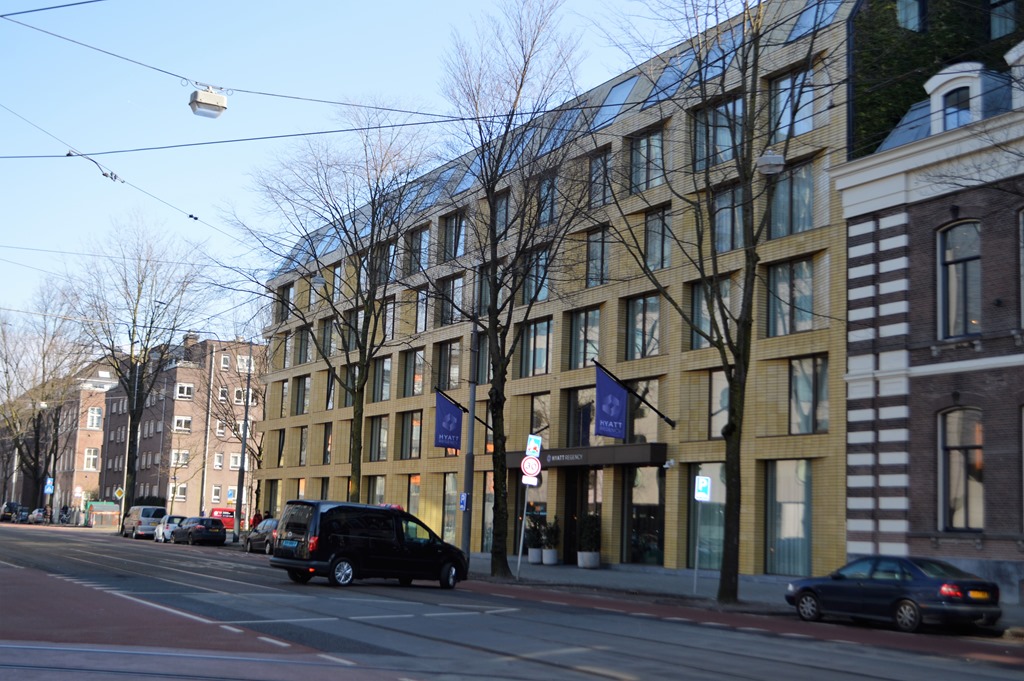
(649, 146)
(190, 447)
(935, 408)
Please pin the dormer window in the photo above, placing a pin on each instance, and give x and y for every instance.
(956, 108)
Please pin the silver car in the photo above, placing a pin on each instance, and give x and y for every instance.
(167, 524)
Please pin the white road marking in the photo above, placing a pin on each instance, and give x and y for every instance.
(379, 617)
(233, 630)
(164, 608)
(339, 660)
(274, 641)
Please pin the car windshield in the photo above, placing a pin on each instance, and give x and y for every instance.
(939, 569)
(153, 512)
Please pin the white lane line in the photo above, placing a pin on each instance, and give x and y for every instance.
(164, 608)
(379, 617)
(274, 641)
(285, 621)
(233, 630)
(339, 660)
(203, 575)
(449, 614)
(11, 565)
(500, 611)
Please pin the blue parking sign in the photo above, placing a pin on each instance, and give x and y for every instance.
(702, 488)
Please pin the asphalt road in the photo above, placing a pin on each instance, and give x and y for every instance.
(99, 607)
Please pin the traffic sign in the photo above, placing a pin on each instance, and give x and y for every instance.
(702, 488)
(530, 465)
(118, 493)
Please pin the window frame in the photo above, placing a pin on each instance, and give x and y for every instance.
(649, 332)
(966, 308)
(535, 358)
(818, 416)
(647, 160)
(790, 297)
(657, 239)
(788, 214)
(970, 452)
(583, 350)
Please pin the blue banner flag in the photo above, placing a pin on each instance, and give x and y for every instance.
(610, 417)
(448, 424)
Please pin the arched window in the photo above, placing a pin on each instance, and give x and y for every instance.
(956, 108)
(962, 465)
(960, 285)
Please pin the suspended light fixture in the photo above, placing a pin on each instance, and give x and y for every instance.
(208, 103)
(771, 163)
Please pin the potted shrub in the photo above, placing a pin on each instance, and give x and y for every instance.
(589, 553)
(552, 534)
(534, 538)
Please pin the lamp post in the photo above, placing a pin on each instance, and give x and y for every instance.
(245, 443)
(135, 369)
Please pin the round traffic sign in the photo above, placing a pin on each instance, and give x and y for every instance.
(530, 466)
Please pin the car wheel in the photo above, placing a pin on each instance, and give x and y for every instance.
(135, 533)
(268, 549)
(191, 540)
(808, 607)
(449, 576)
(341, 573)
(300, 576)
(907, 616)
(405, 581)
(248, 546)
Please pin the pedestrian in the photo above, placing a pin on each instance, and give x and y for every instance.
(256, 520)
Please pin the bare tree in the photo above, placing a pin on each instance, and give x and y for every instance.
(334, 289)
(133, 305)
(507, 85)
(723, 202)
(40, 358)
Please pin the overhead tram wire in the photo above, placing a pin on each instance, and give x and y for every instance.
(47, 9)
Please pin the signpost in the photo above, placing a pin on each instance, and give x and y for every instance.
(530, 467)
(701, 493)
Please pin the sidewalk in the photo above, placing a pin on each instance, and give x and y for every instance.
(764, 591)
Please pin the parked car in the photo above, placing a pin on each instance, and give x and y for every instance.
(199, 531)
(903, 590)
(261, 537)
(9, 511)
(22, 515)
(163, 529)
(37, 516)
(141, 521)
(344, 542)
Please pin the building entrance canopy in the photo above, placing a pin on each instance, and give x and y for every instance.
(637, 454)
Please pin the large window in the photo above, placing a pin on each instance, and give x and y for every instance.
(412, 427)
(536, 348)
(540, 417)
(960, 267)
(956, 108)
(597, 258)
(375, 490)
(94, 421)
(910, 14)
(600, 180)
(657, 239)
(450, 512)
(535, 287)
(418, 253)
(707, 518)
(449, 357)
(708, 301)
(381, 379)
(303, 445)
(728, 219)
(413, 367)
(641, 421)
(547, 200)
(792, 105)
(378, 438)
(646, 161)
(718, 404)
(284, 398)
(718, 132)
(302, 337)
(585, 328)
(963, 469)
(816, 15)
(790, 297)
(808, 395)
(788, 521)
(792, 202)
(451, 301)
(642, 327)
(302, 394)
(326, 443)
(1002, 18)
(454, 235)
(421, 310)
(92, 459)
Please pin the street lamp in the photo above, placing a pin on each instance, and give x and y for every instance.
(208, 103)
(771, 162)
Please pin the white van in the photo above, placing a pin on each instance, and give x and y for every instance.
(141, 521)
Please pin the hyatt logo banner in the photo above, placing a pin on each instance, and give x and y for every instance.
(610, 407)
(448, 428)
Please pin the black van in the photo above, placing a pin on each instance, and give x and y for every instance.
(343, 542)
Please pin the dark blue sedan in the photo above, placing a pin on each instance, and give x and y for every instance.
(906, 591)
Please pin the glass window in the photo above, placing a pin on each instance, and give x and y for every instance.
(451, 300)
(642, 422)
(788, 522)
(642, 327)
(540, 417)
(707, 518)
(671, 76)
(817, 14)
(535, 288)
(94, 420)
(418, 250)
(184, 391)
(790, 297)
(585, 329)
(546, 200)
(792, 105)
(336, 288)
(536, 344)
(963, 460)
(718, 132)
(560, 129)
(597, 258)
(284, 398)
(92, 459)
(600, 180)
(302, 345)
(421, 310)
(956, 108)
(580, 424)
(1002, 18)
(412, 427)
(706, 316)
(644, 517)
(960, 253)
(414, 365)
(910, 14)
(381, 379)
(808, 395)
(718, 401)
(657, 239)
(414, 494)
(182, 424)
(647, 161)
(607, 112)
(378, 438)
(450, 511)
(728, 219)
(501, 214)
(484, 370)
(302, 394)
(327, 443)
(454, 236)
(375, 490)
(450, 356)
(792, 202)
(303, 445)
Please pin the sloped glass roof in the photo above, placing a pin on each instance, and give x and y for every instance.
(671, 76)
(816, 15)
(617, 96)
(563, 125)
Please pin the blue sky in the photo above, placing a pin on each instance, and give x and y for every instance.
(93, 102)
